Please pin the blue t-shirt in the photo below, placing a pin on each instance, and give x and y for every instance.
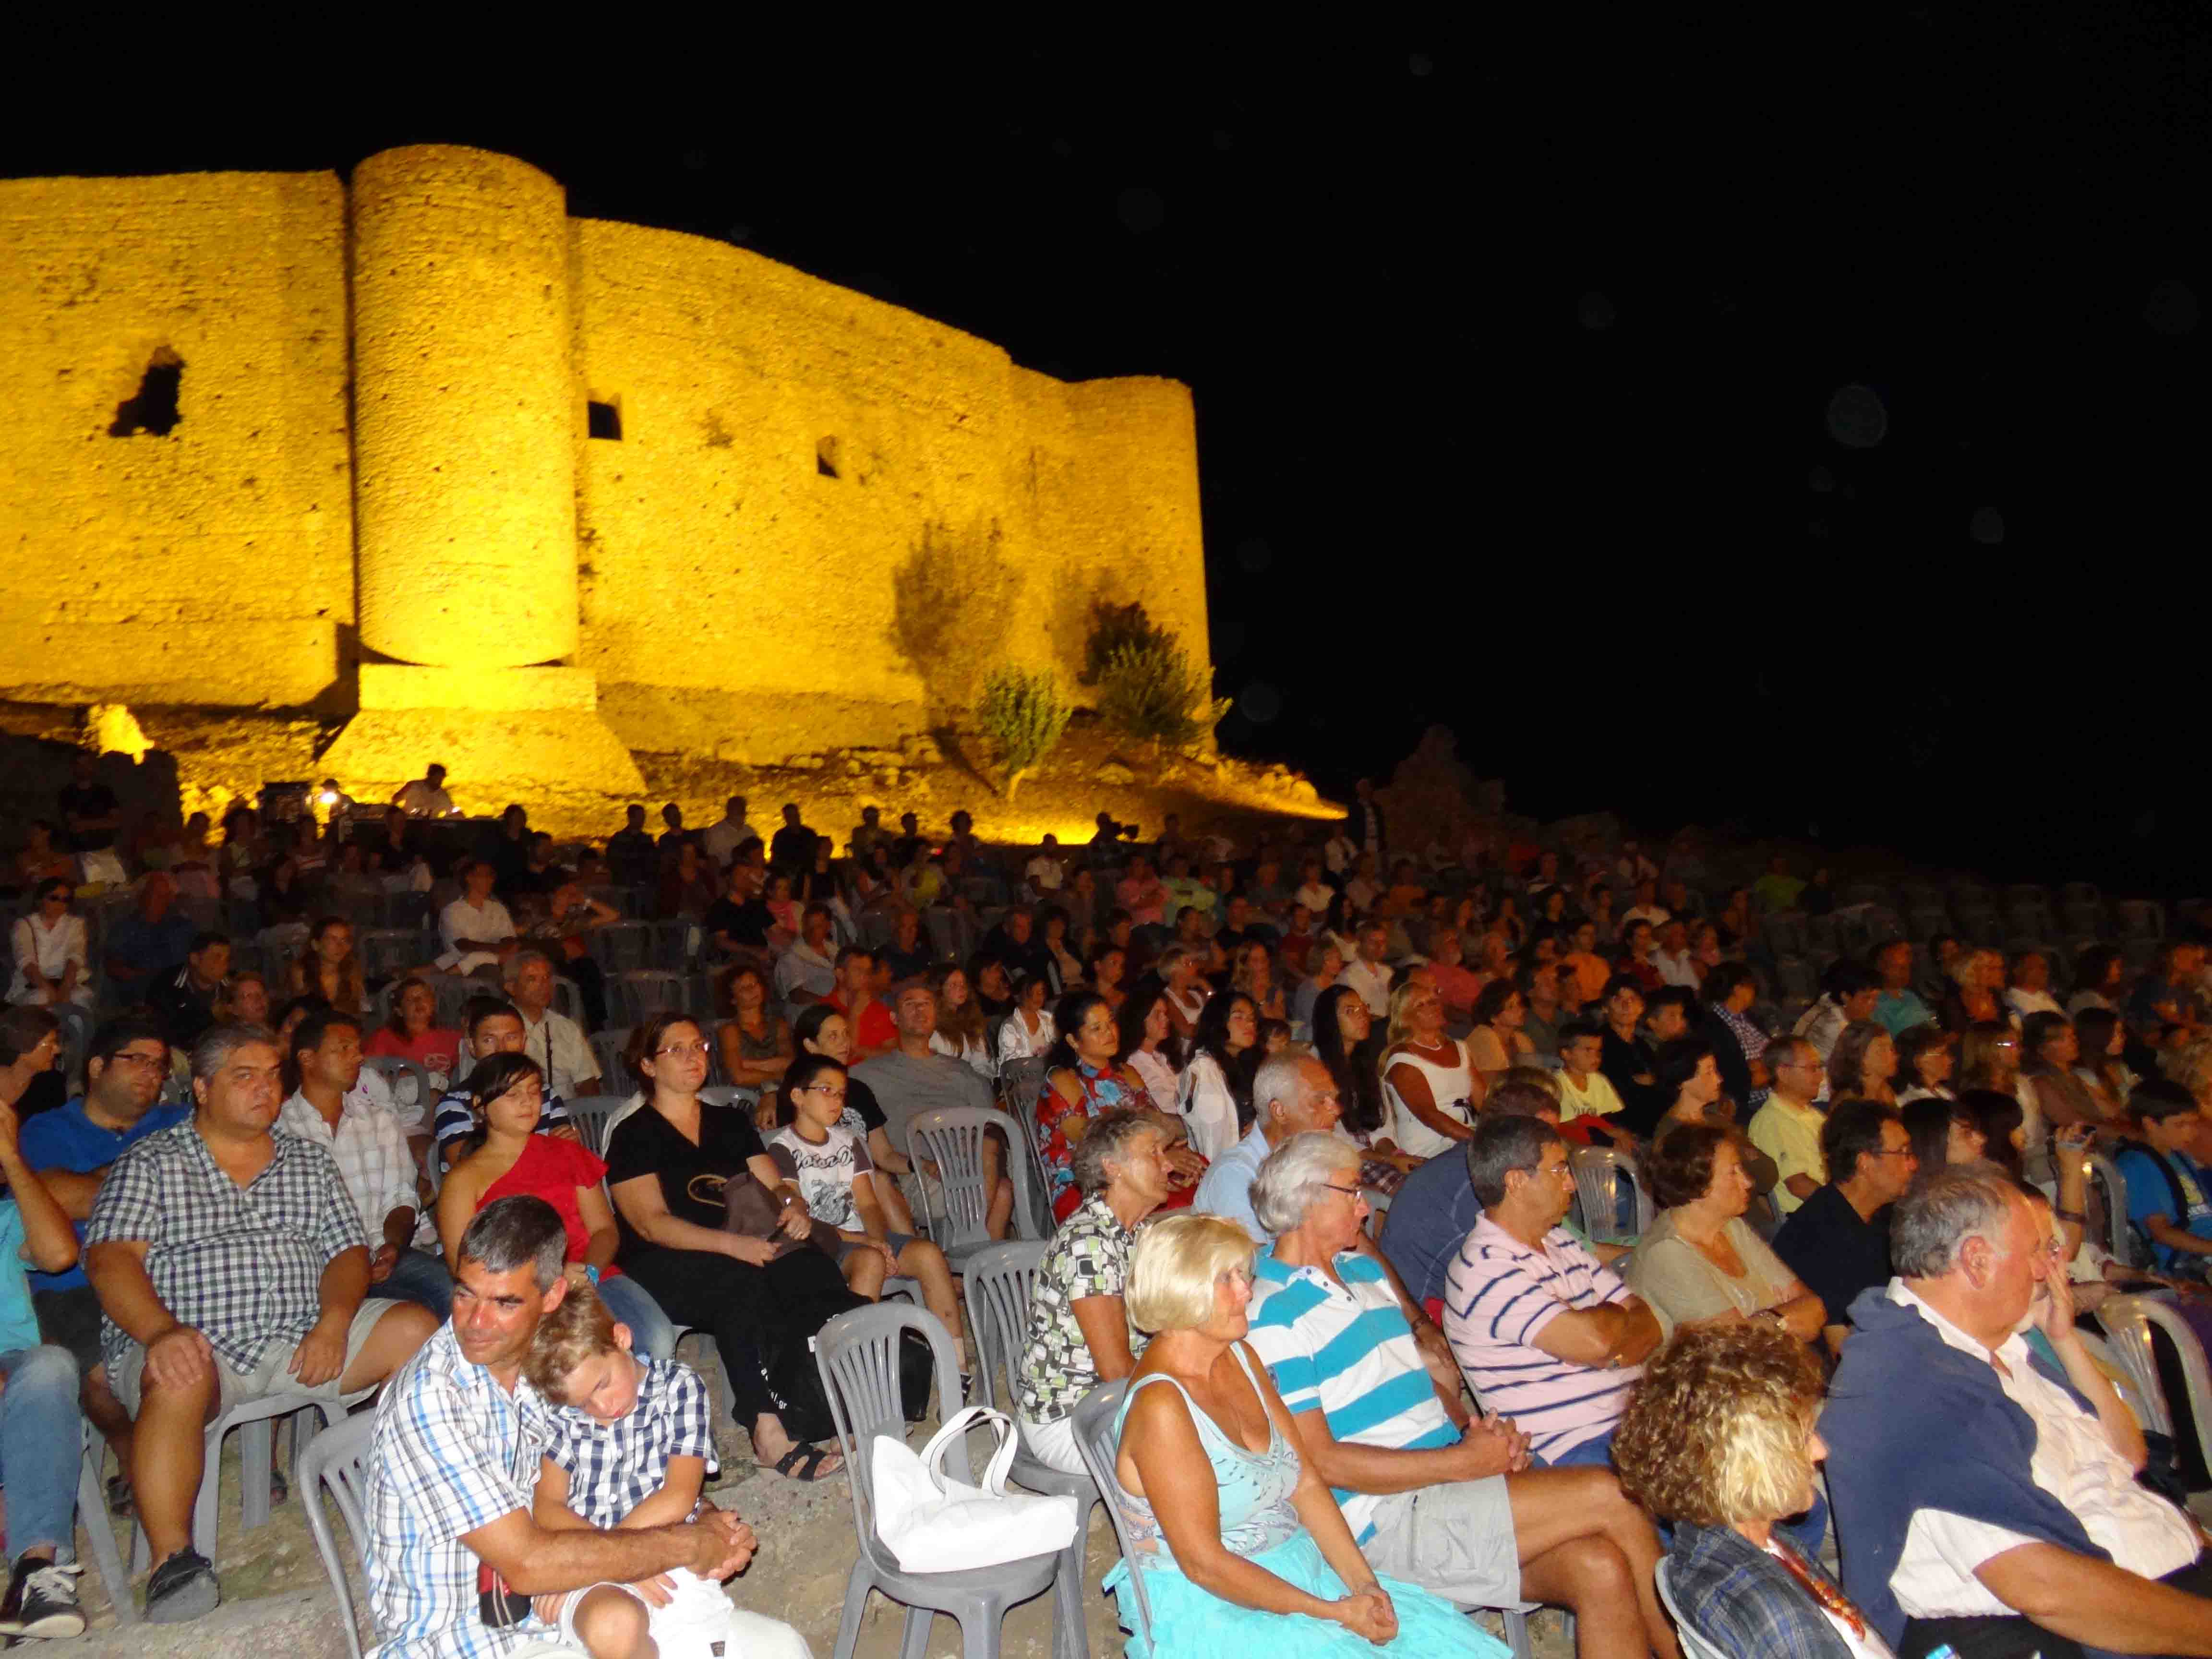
(2148, 1194)
(65, 1139)
(19, 1326)
(1429, 1218)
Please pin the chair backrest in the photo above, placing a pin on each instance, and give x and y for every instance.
(857, 1354)
(398, 1068)
(1099, 1442)
(951, 1136)
(608, 1047)
(593, 1116)
(338, 1458)
(621, 946)
(2119, 1240)
(1598, 1171)
(730, 1094)
(1694, 1646)
(2127, 1326)
(998, 1280)
(636, 996)
(1022, 1084)
(2195, 1374)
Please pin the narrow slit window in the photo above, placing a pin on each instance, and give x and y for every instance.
(825, 457)
(603, 419)
(154, 409)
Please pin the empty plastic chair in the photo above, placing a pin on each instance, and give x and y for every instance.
(338, 1458)
(608, 1047)
(410, 1082)
(622, 947)
(2140, 918)
(951, 1136)
(857, 1356)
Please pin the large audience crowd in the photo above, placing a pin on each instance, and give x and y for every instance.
(1511, 1223)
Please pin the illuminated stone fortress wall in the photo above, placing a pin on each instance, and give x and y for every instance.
(382, 499)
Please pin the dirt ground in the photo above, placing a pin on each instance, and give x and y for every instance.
(276, 1599)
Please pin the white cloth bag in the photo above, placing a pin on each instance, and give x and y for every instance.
(932, 1523)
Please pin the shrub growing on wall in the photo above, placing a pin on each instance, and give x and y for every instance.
(1114, 628)
(1023, 716)
(1151, 692)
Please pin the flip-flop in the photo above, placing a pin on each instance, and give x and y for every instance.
(805, 1463)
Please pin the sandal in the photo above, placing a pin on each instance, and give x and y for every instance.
(804, 1463)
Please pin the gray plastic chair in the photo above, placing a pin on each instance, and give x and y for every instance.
(1694, 1646)
(2118, 1243)
(951, 1136)
(255, 1421)
(1598, 1170)
(1021, 1083)
(857, 1356)
(592, 1114)
(92, 1514)
(339, 1459)
(999, 1281)
(1099, 1441)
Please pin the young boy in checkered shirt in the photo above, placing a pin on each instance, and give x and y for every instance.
(629, 1442)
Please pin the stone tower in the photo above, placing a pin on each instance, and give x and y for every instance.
(466, 408)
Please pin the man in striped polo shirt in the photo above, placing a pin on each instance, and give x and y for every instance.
(1432, 1496)
(1547, 1333)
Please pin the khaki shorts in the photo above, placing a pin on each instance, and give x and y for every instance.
(1454, 1539)
(270, 1376)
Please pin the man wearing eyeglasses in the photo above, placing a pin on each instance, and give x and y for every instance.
(72, 1148)
(1787, 1128)
(1837, 1242)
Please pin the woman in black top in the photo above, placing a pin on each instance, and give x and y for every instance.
(668, 1165)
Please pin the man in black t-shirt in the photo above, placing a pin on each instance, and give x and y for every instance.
(90, 816)
(792, 850)
(740, 919)
(1838, 1240)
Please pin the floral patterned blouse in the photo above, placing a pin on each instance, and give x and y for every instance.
(1102, 1092)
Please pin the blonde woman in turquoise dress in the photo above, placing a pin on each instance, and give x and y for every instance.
(1241, 1545)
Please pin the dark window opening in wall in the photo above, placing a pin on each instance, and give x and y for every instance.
(825, 457)
(155, 408)
(603, 420)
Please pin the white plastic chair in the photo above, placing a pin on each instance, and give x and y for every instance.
(857, 1356)
(951, 1136)
(2119, 1243)
(593, 1114)
(2127, 1321)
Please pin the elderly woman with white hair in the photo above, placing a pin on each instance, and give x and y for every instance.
(1078, 1332)
(1432, 1495)
(1240, 1542)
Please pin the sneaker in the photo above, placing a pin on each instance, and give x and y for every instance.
(182, 1589)
(42, 1601)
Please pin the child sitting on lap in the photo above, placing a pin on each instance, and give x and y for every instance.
(628, 1443)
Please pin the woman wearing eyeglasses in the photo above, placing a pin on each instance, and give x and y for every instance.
(669, 1164)
(50, 950)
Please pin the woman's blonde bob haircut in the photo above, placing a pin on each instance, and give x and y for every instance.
(1174, 1267)
(1717, 1431)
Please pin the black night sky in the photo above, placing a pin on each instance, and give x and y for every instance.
(1516, 364)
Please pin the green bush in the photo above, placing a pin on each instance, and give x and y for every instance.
(1023, 716)
(1151, 692)
(1115, 627)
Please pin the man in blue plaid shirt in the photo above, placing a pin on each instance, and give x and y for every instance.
(231, 1265)
(458, 1565)
(629, 1442)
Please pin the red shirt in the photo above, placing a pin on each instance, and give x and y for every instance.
(876, 1029)
(553, 1168)
(433, 1051)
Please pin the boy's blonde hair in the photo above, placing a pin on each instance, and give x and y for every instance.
(1172, 1270)
(580, 1328)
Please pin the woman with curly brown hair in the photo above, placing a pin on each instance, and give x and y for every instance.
(1720, 1439)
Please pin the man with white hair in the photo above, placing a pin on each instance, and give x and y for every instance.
(1292, 1094)
(553, 1040)
(1432, 1496)
(1983, 1496)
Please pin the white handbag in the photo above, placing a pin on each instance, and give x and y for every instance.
(932, 1523)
